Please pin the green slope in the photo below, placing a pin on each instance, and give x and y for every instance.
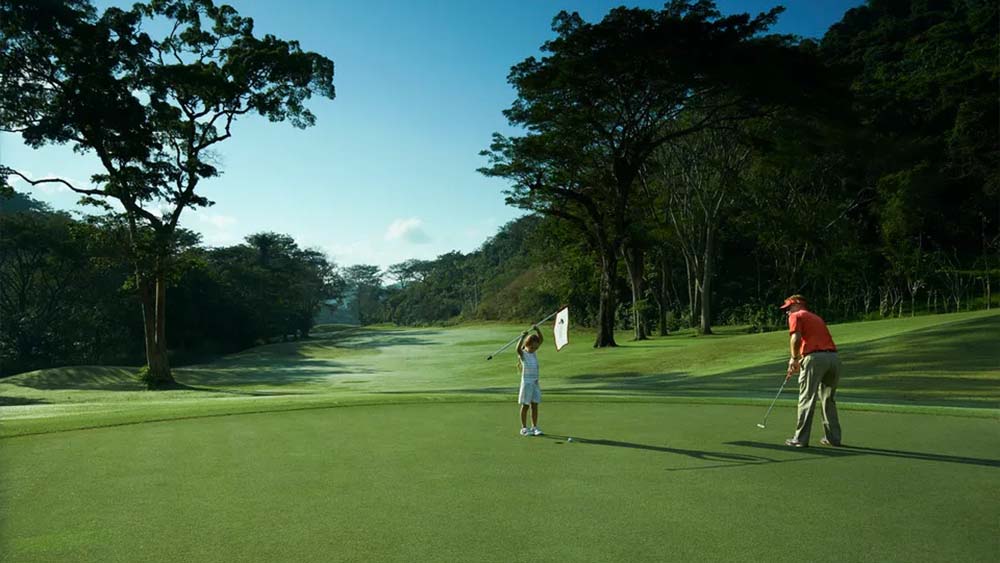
(935, 362)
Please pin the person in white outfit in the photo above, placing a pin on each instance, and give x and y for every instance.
(531, 393)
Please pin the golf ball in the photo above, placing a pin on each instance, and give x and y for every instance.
(569, 439)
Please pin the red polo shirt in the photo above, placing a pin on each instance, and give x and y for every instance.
(812, 329)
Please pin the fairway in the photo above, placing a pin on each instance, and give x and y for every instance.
(401, 445)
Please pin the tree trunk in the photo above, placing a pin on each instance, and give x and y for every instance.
(664, 294)
(153, 294)
(706, 284)
(635, 263)
(694, 271)
(606, 307)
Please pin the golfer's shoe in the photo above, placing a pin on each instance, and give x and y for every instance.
(536, 431)
(792, 442)
(525, 432)
(826, 442)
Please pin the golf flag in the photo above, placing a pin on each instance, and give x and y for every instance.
(561, 328)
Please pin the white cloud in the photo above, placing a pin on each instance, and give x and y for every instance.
(51, 188)
(216, 229)
(218, 221)
(411, 230)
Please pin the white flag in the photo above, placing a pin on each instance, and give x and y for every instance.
(561, 328)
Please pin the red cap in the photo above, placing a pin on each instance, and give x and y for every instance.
(792, 300)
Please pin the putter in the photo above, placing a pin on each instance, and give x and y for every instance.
(780, 389)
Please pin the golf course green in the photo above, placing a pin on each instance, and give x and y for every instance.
(390, 444)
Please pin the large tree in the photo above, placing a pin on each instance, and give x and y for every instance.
(609, 94)
(151, 109)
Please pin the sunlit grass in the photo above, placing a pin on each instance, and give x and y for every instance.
(931, 361)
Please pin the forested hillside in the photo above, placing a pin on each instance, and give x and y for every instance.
(881, 200)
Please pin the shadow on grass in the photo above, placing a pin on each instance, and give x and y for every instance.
(188, 379)
(18, 401)
(90, 378)
(178, 386)
(848, 450)
(696, 454)
(943, 366)
(360, 339)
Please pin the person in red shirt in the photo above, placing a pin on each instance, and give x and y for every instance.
(814, 358)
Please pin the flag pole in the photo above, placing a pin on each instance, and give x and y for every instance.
(516, 338)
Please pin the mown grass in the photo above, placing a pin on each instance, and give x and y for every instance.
(454, 482)
(401, 445)
(945, 362)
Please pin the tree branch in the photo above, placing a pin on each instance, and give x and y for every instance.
(55, 181)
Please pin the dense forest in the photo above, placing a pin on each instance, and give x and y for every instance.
(678, 168)
(876, 195)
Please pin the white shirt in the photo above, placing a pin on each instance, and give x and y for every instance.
(529, 366)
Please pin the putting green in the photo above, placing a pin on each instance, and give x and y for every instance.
(454, 481)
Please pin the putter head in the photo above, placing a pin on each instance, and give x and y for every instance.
(489, 357)
(761, 426)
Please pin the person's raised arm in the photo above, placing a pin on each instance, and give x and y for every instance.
(539, 333)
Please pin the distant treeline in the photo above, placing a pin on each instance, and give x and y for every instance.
(68, 296)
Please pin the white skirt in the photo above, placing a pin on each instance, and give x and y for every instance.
(530, 392)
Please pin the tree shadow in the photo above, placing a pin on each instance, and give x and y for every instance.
(922, 363)
(505, 390)
(848, 450)
(88, 378)
(179, 386)
(19, 401)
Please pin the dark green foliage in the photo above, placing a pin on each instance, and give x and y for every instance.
(364, 282)
(61, 295)
(67, 296)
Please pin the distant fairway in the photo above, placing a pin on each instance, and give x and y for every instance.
(400, 444)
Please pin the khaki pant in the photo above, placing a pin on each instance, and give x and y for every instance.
(819, 375)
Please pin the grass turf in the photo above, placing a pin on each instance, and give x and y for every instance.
(454, 482)
(426, 464)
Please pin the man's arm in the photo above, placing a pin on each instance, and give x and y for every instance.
(794, 345)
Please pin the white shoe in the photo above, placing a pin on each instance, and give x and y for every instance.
(525, 432)
(536, 431)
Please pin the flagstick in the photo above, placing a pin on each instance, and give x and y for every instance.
(516, 338)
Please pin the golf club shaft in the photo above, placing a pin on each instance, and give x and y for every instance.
(516, 338)
(780, 389)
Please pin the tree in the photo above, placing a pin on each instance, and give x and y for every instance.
(365, 280)
(706, 183)
(604, 99)
(151, 110)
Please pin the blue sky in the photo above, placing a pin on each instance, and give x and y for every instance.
(389, 170)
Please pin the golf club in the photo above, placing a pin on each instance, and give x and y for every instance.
(780, 389)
